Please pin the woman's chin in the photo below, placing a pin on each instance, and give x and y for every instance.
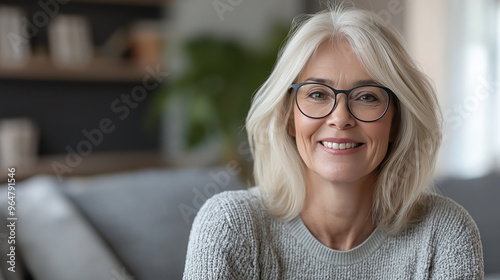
(339, 176)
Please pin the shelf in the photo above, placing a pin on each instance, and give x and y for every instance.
(95, 164)
(98, 70)
(127, 2)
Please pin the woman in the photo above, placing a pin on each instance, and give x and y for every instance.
(344, 135)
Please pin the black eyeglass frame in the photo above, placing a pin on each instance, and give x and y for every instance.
(295, 87)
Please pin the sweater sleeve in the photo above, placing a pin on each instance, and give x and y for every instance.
(458, 253)
(216, 249)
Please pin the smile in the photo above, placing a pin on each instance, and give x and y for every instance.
(340, 146)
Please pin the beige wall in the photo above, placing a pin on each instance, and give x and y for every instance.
(246, 20)
(393, 11)
(426, 30)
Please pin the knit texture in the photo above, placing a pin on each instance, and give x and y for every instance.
(233, 237)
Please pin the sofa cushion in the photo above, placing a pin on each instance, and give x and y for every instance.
(146, 216)
(56, 241)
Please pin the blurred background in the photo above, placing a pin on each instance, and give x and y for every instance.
(173, 80)
(95, 87)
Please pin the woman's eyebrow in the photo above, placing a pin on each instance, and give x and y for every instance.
(320, 80)
(330, 82)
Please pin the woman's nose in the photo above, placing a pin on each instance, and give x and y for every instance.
(340, 117)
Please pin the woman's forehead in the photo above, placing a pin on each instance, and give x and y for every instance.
(335, 63)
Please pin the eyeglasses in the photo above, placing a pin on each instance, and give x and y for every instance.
(365, 103)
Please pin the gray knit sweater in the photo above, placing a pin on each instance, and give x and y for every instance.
(233, 237)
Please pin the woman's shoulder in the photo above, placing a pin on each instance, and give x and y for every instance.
(225, 237)
(240, 201)
(235, 209)
(449, 238)
(442, 209)
(448, 219)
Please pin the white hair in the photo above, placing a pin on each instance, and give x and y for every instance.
(404, 176)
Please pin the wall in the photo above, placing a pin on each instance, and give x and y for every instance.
(247, 20)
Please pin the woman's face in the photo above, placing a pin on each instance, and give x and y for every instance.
(336, 65)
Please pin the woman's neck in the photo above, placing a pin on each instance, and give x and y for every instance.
(339, 215)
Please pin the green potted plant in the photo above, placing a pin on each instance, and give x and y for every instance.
(216, 89)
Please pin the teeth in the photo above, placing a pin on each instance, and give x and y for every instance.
(339, 146)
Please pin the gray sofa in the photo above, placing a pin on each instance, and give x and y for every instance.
(114, 227)
(136, 225)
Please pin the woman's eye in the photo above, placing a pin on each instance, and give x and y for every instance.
(368, 98)
(317, 95)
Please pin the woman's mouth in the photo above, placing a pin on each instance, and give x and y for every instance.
(340, 146)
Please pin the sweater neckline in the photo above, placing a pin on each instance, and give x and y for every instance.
(299, 230)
